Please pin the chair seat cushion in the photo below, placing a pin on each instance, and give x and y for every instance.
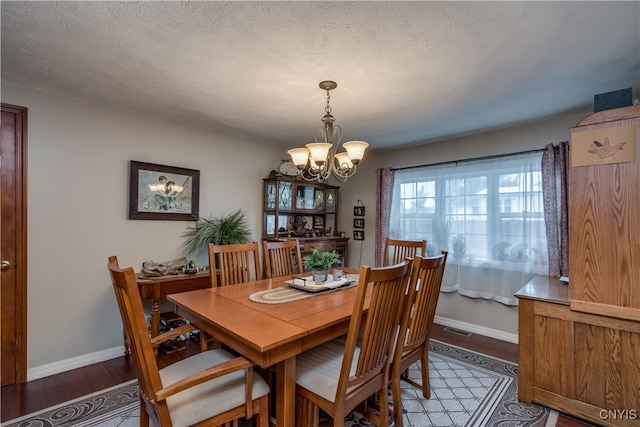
(318, 369)
(211, 398)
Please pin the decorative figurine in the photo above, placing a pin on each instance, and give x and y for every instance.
(191, 268)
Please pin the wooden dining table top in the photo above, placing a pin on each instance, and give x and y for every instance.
(267, 333)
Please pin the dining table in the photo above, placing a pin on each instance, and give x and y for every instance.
(270, 334)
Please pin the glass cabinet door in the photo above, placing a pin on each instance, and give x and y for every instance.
(285, 200)
(318, 199)
(309, 198)
(270, 202)
(330, 202)
(275, 223)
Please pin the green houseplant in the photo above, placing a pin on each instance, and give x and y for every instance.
(224, 230)
(320, 261)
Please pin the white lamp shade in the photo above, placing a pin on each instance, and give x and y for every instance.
(299, 156)
(319, 151)
(355, 150)
(344, 162)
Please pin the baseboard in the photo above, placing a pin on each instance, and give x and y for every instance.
(73, 363)
(480, 330)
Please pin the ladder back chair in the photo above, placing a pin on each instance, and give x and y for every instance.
(281, 258)
(238, 263)
(396, 250)
(341, 375)
(417, 319)
(210, 388)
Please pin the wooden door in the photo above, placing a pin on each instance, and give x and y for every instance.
(13, 245)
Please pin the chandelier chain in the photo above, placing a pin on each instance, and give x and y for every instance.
(327, 109)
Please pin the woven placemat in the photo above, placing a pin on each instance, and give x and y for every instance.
(287, 294)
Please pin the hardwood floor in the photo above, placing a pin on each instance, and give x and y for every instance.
(20, 399)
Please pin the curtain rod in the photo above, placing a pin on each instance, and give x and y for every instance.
(496, 156)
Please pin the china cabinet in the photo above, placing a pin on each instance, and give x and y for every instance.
(306, 211)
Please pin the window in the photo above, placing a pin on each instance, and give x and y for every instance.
(487, 214)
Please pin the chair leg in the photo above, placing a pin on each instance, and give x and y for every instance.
(397, 403)
(424, 361)
(262, 417)
(144, 416)
(384, 406)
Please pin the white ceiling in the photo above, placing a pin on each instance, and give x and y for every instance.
(407, 72)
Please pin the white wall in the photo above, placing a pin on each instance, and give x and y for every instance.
(78, 160)
(488, 317)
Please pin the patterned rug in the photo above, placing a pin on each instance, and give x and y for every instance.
(467, 389)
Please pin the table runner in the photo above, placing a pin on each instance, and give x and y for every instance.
(287, 294)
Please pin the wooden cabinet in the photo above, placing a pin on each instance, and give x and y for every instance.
(586, 365)
(307, 211)
(604, 219)
(579, 347)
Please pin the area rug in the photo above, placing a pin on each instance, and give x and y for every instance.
(467, 389)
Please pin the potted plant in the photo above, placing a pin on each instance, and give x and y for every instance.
(223, 230)
(320, 261)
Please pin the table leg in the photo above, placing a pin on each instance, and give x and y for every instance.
(286, 393)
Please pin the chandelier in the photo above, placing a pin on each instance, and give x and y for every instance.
(319, 159)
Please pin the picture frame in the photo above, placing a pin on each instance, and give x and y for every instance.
(358, 222)
(318, 222)
(358, 211)
(160, 192)
(358, 234)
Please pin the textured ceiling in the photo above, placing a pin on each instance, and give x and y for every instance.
(407, 72)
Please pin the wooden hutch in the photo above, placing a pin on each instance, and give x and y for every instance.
(307, 211)
(580, 343)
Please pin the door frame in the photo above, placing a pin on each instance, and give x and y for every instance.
(21, 237)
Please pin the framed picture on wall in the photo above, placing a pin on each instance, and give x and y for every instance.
(160, 192)
(358, 234)
(358, 211)
(358, 222)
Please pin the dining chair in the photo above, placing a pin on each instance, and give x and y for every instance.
(238, 263)
(396, 250)
(229, 265)
(418, 312)
(213, 388)
(340, 375)
(281, 258)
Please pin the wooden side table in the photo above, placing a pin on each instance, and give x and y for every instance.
(157, 288)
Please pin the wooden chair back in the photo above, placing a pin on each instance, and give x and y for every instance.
(207, 367)
(386, 287)
(418, 312)
(238, 263)
(281, 258)
(396, 250)
(135, 325)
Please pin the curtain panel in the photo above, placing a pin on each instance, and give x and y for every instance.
(555, 182)
(384, 195)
